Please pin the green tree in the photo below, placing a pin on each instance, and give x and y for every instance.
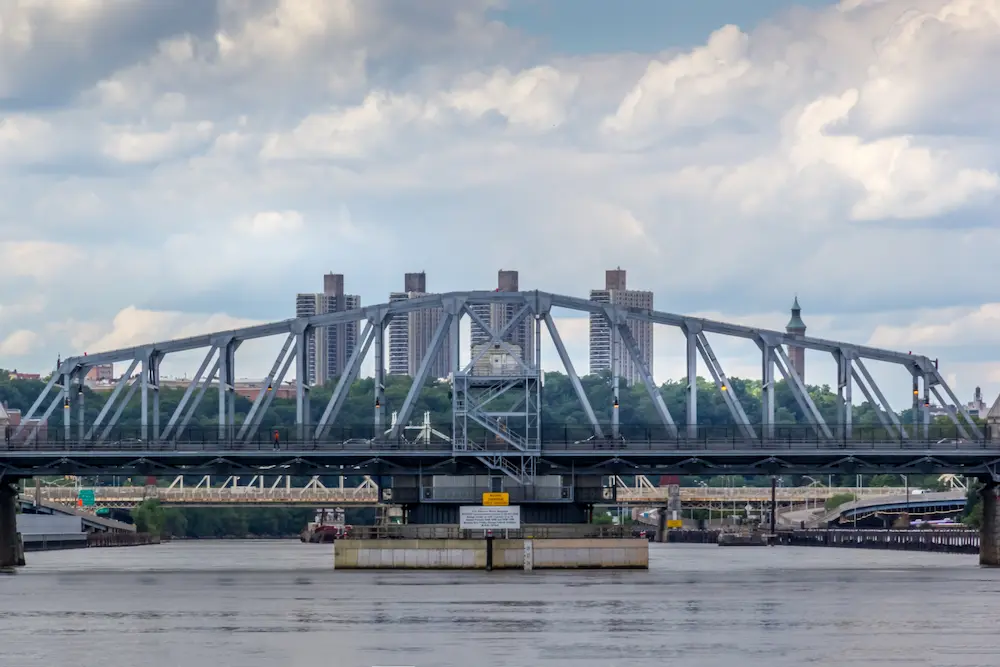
(175, 522)
(148, 516)
(885, 480)
(973, 514)
(836, 501)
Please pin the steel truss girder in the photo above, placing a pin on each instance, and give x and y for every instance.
(725, 387)
(877, 399)
(345, 381)
(938, 381)
(616, 321)
(767, 385)
(571, 303)
(801, 393)
(497, 337)
(119, 385)
(433, 349)
(845, 403)
(264, 397)
(574, 379)
(179, 410)
(69, 372)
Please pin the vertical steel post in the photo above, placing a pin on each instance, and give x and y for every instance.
(80, 410)
(144, 397)
(926, 410)
(155, 380)
(67, 403)
(379, 376)
(301, 382)
(692, 383)
(223, 381)
(767, 390)
(774, 503)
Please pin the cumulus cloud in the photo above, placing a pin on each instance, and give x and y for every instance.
(135, 326)
(218, 157)
(19, 343)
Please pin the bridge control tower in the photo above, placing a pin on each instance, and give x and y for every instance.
(496, 399)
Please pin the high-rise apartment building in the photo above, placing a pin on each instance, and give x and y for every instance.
(616, 292)
(329, 348)
(410, 335)
(497, 315)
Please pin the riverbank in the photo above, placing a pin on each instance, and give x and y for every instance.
(955, 541)
(56, 542)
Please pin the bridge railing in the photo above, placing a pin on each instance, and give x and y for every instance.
(111, 495)
(743, 493)
(566, 438)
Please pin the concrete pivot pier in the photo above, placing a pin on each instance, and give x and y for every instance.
(471, 554)
(11, 550)
(989, 538)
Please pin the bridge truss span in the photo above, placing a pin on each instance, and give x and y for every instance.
(496, 401)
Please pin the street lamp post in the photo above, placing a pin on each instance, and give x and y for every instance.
(906, 484)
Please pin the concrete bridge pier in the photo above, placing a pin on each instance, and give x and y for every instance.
(989, 537)
(661, 525)
(11, 547)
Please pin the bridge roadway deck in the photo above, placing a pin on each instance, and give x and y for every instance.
(687, 457)
(127, 497)
(925, 503)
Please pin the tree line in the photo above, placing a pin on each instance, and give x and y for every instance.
(560, 406)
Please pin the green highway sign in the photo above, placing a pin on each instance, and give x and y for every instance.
(87, 497)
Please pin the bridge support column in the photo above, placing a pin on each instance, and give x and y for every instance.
(661, 525)
(989, 535)
(11, 548)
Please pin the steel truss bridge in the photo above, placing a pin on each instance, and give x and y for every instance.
(282, 492)
(496, 424)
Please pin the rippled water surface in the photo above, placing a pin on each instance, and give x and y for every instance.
(277, 604)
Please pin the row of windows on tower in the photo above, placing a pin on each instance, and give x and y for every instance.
(408, 337)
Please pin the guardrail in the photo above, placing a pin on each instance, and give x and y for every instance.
(746, 493)
(391, 447)
(127, 496)
(944, 497)
(367, 437)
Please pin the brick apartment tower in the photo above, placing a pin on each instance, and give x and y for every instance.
(329, 348)
(410, 334)
(497, 316)
(616, 292)
(796, 354)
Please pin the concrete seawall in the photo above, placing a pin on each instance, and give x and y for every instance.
(507, 554)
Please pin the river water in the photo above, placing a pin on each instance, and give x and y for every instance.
(258, 603)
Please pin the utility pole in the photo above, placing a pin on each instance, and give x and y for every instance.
(774, 504)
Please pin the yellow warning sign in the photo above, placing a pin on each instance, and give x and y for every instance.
(675, 523)
(496, 499)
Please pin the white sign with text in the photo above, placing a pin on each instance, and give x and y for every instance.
(475, 517)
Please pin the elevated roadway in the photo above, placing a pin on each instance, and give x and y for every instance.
(91, 522)
(886, 508)
(733, 456)
(316, 495)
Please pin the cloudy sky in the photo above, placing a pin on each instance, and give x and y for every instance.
(170, 166)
